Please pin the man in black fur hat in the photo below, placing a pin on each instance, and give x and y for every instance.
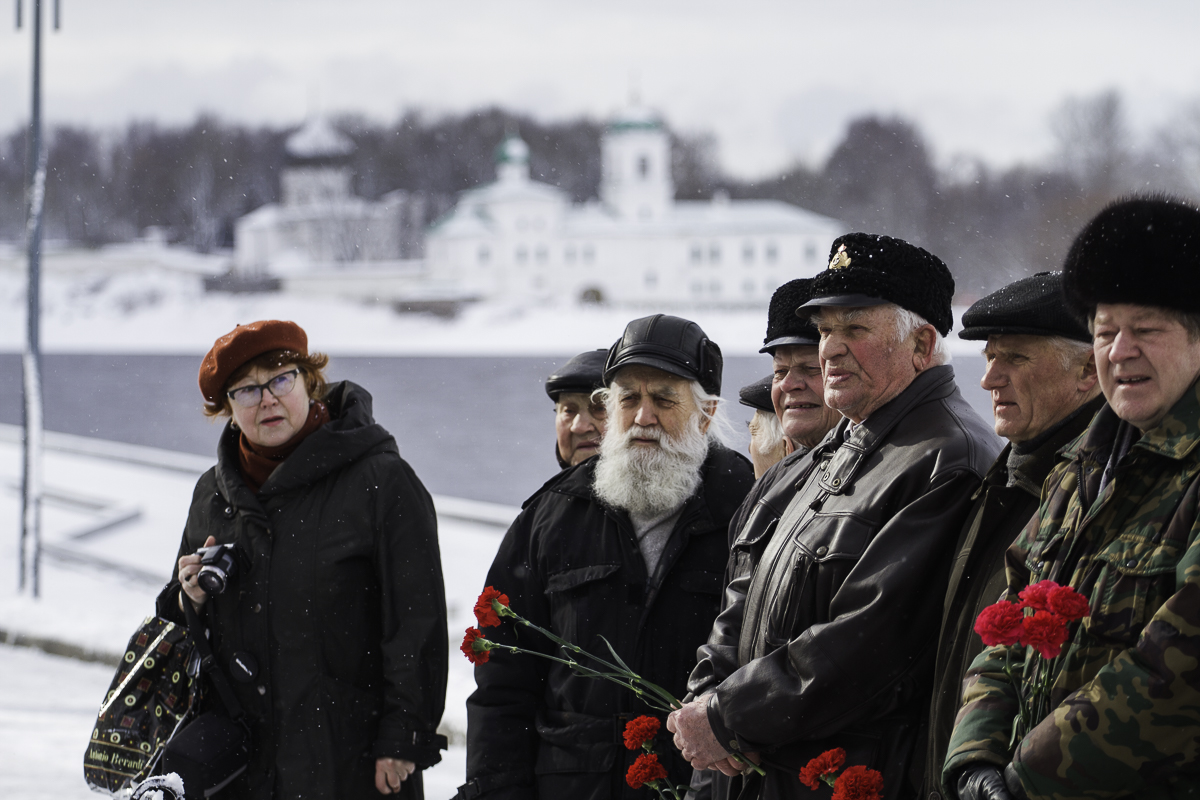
(1119, 524)
(838, 574)
(1041, 376)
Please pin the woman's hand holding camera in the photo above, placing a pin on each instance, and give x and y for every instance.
(189, 568)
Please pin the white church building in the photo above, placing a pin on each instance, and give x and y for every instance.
(636, 244)
(320, 224)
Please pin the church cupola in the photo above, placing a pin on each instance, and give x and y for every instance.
(512, 160)
(636, 156)
(317, 165)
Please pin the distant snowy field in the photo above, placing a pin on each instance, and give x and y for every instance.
(155, 310)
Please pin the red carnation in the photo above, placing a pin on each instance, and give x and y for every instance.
(858, 783)
(827, 763)
(1037, 596)
(645, 770)
(475, 647)
(1068, 603)
(999, 623)
(1044, 632)
(640, 730)
(486, 612)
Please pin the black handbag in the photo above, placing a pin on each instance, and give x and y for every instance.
(149, 721)
(148, 699)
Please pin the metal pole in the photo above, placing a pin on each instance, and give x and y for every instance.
(31, 480)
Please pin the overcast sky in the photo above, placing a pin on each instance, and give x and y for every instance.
(775, 80)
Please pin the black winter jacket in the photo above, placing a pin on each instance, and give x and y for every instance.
(572, 564)
(339, 603)
(838, 577)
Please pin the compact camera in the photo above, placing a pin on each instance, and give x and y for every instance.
(219, 565)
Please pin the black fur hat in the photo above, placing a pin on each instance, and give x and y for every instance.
(1032, 306)
(783, 326)
(870, 269)
(1143, 250)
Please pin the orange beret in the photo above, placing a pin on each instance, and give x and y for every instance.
(242, 344)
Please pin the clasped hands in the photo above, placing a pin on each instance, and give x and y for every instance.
(695, 740)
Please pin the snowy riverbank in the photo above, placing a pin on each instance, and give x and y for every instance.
(152, 310)
(112, 520)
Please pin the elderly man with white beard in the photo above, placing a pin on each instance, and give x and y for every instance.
(628, 548)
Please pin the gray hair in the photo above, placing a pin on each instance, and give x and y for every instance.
(1071, 353)
(907, 323)
(772, 432)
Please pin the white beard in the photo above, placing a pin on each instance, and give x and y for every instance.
(649, 481)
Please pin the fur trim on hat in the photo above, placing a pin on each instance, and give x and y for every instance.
(889, 269)
(1143, 250)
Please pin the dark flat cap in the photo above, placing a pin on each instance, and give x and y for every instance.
(783, 326)
(675, 345)
(1143, 250)
(757, 395)
(1032, 306)
(868, 269)
(583, 374)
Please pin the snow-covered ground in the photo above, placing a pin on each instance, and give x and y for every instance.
(156, 310)
(98, 585)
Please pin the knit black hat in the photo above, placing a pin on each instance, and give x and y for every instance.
(672, 344)
(867, 269)
(783, 326)
(758, 395)
(582, 374)
(1142, 250)
(1032, 306)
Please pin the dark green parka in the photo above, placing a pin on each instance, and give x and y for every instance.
(339, 604)
(1125, 692)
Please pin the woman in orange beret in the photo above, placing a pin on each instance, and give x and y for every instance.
(331, 621)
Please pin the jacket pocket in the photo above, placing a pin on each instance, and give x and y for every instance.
(1136, 579)
(576, 595)
(574, 743)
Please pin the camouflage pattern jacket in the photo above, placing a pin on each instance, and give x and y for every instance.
(1125, 699)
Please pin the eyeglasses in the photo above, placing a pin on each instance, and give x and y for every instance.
(249, 396)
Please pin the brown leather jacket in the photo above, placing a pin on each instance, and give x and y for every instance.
(834, 603)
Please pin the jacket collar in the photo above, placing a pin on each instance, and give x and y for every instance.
(1029, 470)
(347, 437)
(935, 383)
(1175, 437)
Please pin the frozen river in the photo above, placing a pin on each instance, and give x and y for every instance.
(474, 427)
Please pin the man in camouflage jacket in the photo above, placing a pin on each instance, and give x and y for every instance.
(1119, 522)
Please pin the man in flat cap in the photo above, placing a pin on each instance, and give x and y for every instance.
(768, 445)
(1118, 522)
(1041, 375)
(829, 633)
(630, 546)
(578, 417)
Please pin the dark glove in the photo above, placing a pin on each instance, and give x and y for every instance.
(1013, 781)
(982, 782)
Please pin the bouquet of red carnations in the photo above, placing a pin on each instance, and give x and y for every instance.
(493, 606)
(856, 783)
(1044, 630)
